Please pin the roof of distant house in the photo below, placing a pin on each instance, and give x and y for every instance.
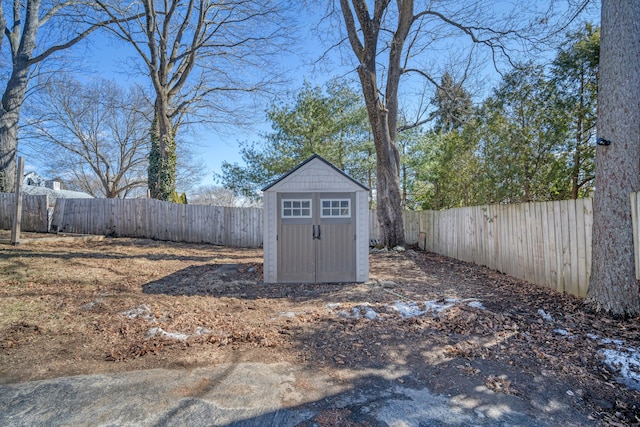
(35, 185)
(44, 191)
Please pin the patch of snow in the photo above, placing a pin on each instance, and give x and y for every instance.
(356, 313)
(399, 249)
(359, 311)
(627, 363)
(202, 331)
(437, 307)
(141, 312)
(407, 310)
(287, 314)
(161, 332)
(562, 332)
(476, 304)
(623, 360)
(91, 305)
(546, 316)
(619, 343)
(370, 313)
(346, 315)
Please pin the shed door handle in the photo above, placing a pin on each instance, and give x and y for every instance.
(318, 231)
(314, 232)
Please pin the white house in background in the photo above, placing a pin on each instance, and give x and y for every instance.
(34, 184)
(316, 226)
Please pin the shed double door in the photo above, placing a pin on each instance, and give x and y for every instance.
(316, 237)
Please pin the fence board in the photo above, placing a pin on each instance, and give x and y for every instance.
(148, 218)
(588, 229)
(581, 248)
(544, 243)
(34, 212)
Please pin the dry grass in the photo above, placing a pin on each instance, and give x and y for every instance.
(62, 305)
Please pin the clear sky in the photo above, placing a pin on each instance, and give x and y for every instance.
(107, 58)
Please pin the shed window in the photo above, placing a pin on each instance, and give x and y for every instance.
(336, 208)
(296, 208)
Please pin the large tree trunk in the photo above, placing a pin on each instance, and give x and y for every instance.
(162, 158)
(388, 195)
(9, 117)
(382, 117)
(22, 46)
(8, 150)
(613, 288)
(389, 198)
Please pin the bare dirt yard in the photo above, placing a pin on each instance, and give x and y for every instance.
(71, 307)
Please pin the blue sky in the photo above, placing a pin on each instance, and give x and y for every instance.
(108, 58)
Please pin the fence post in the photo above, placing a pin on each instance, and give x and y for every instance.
(17, 217)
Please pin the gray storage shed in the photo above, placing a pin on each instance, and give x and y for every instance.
(316, 226)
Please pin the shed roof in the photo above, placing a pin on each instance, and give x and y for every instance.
(301, 165)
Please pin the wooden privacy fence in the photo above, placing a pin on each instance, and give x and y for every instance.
(411, 221)
(548, 244)
(154, 219)
(34, 212)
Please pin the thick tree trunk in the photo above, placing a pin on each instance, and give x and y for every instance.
(22, 46)
(389, 197)
(388, 194)
(8, 150)
(9, 118)
(382, 117)
(162, 158)
(613, 288)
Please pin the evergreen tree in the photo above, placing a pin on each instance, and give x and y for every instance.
(331, 123)
(575, 71)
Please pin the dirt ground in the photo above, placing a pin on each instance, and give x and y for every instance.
(79, 307)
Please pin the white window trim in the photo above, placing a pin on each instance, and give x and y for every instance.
(296, 216)
(322, 215)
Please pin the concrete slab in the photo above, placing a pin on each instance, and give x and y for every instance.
(242, 394)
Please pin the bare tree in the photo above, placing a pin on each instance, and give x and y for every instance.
(613, 288)
(387, 40)
(35, 30)
(94, 135)
(198, 54)
(219, 196)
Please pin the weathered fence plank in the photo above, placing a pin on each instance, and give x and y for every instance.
(34, 212)
(148, 218)
(546, 243)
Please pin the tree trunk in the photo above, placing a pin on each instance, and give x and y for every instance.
(8, 150)
(9, 118)
(22, 47)
(382, 117)
(388, 194)
(613, 288)
(162, 158)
